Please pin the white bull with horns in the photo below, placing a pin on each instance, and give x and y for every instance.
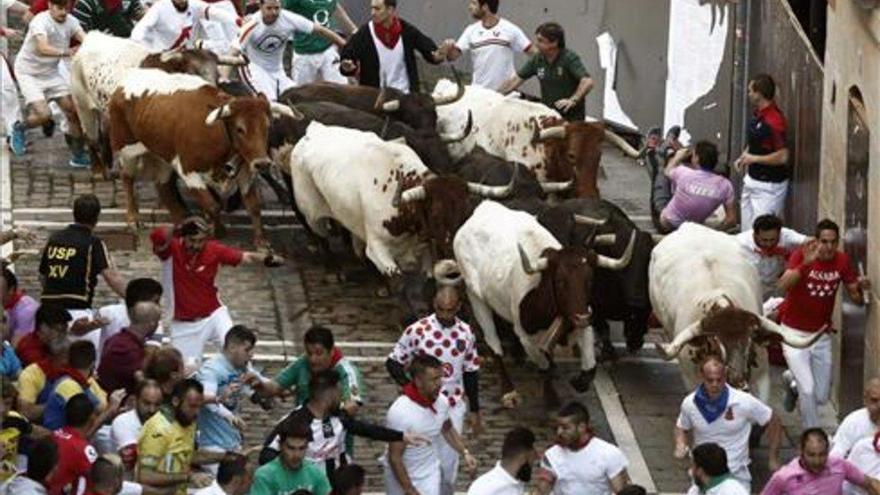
(707, 295)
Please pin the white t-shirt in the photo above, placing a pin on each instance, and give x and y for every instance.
(392, 63)
(59, 35)
(497, 482)
(264, 43)
(164, 27)
(866, 458)
(770, 265)
(589, 470)
(125, 430)
(731, 430)
(406, 415)
(727, 487)
(492, 51)
(855, 426)
(213, 489)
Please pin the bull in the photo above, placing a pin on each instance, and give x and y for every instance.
(151, 136)
(100, 65)
(516, 269)
(707, 296)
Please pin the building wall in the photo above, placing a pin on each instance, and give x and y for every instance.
(853, 59)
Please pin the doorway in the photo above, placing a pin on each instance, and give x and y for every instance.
(855, 235)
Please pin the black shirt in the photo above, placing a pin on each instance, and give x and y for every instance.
(70, 265)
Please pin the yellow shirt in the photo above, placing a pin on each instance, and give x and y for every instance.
(30, 383)
(68, 387)
(165, 446)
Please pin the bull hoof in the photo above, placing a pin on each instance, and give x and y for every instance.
(511, 400)
(581, 383)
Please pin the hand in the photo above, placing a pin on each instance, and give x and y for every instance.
(475, 424)
(22, 233)
(273, 260)
(350, 407)
(251, 379)
(811, 251)
(200, 480)
(681, 451)
(681, 154)
(227, 394)
(237, 422)
(470, 463)
(565, 104)
(12, 33)
(115, 400)
(347, 66)
(415, 439)
(864, 283)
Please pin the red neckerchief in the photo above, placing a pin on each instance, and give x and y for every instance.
(583, 442)
(389, 36)
(410, 391)
(335, 356)
(773, 251)
(53, 373)
(16, 296)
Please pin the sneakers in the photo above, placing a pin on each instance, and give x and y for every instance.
(17, 141)
(80, 159)
(791, 393)
(49, 128)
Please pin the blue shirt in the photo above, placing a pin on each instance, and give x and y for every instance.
(214, 429)
(10, 365)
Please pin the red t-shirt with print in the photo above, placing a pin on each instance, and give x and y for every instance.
(809, 304)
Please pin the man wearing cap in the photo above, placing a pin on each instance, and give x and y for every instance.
(195, 258)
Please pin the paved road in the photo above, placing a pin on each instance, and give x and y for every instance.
(634, 401)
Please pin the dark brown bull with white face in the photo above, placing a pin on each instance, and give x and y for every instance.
(152, 136)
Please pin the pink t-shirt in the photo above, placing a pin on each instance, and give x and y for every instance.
(697, 194)
(793, 479)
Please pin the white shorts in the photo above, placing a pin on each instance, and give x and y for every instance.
(760, 198)
(43, 88)
(307, 68)
(217, 36)
(190, 337)
(271, 84)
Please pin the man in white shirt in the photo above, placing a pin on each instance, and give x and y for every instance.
(710, 472)
(234, 477)
(718, 413)
(37, 68)
(263, 40)
(768, 245)
(126, 429)
(861, 423)
(514, 471)
(421, 410)
(492, 43)
(169, 24)
(580, 462)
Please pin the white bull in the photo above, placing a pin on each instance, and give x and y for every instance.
(352, 177)
(707, 295)
(514, 267)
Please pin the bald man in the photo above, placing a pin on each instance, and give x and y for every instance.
(123, 354)
(864, 422)
(450, 340)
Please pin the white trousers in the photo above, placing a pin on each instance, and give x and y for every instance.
(10, 108)
(760, 198)
(271, 84)
(307, 68)
(217, 36)
(428, 485)
(811, 368)
(190, 337)
(448, 456)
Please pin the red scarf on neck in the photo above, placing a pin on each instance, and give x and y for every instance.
(53, 373)
(16, 296)
(111, 6)
(389, 36)
(582, 442)
(412, 392)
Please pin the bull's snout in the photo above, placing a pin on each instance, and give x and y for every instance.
(581, 320)
(261, 164)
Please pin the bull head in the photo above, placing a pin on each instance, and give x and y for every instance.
(454, 138)
(447, 272)
(617, 264)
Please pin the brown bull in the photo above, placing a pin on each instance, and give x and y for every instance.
(168, 126)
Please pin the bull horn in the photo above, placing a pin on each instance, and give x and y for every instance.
(792, 338)
(527, 265)
(723, 350)
(168, 56)
(623, 261)
(447, 272)
(218, 113)
(551, 336)
(585, 220)
(657, 238)
(454, 138)
(446, 100)
(555, 187)
(395, 201)
(622, 144)
(670, 351)
(279, 109)
(555, 132)
(604, 240)
(231, 60)
(416, 193)
(391, 106)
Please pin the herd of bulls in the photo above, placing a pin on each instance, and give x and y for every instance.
(497, 191)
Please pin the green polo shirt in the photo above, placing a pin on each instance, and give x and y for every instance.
(320, 11)
(558, 80)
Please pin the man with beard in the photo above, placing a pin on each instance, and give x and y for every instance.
(420, 409)
(492, 42)
(126, 429)
(167, 445)
(169, 24)
(444, 336)
(263, 40)
(710, 473)
(199, 316)
(510, 475)
(580, 462)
